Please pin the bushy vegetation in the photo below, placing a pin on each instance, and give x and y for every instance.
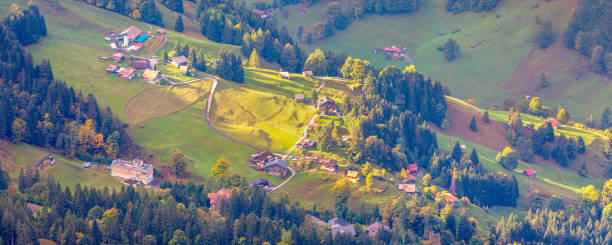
(589, 27)
(458, 6)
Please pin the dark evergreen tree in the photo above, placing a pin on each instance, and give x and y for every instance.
(451, 50)
(473, 125)
(178, 25)
(474, 157)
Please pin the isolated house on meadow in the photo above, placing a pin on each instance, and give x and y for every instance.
(352, 176)
(276, 167)
(132, 34)
(307, 73)
(161, 31)
(178, 61)
(529, 172)
(118, 57)
(139, 64)
(151, 76)
(184, 70)
(135, 170)
(377, 226)
(216, 199)
(299, 98)
(325, 104)
(284, 75)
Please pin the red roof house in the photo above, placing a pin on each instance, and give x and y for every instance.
(215, 198)
(413, 167)
(118, 57)
(554, 122)
(529, 172)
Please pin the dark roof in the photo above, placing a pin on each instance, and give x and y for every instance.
(179, 59)
(139, 64)
(278, 162)
(258, 182)
(337, 221)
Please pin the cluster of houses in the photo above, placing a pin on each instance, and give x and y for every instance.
(393, 51)
(340, 226)
(127, 73)
(132, 172)
(410, 187)
(327, 105)
(268, 162)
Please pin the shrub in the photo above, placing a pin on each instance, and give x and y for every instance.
(508, 158)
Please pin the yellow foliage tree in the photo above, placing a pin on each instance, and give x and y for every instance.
(221, 168)
(136, 14)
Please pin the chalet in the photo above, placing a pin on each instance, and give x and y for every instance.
(139, 64)
(118, 57)
(312, 124)
(112, 68)
(299, 98)
(408, 188)
(307, 73)
(184, 70)
(216, 199)
(352, 176)
(259, 159)
(377, 226)
(411, 178)
(413, 168)
(392, 50)
(125, 73)
(258, 12)
(276, 167)
(179, 61)
(284, 75)
(529, 172)
(325, 104)
(135, 170)
(449, 198)
(346, 138)
(136, 47)
(151, 76)
(307, 144)
(554, 123)
(132, 34)
(161, 32)
(259, 183)
(339, 225)
(329, 165)
(33, 208)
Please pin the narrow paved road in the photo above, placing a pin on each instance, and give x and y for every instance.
(207, 116)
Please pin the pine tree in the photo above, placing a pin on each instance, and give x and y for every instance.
(457, 152)
(485, 117)
(254, 59)
(543, 81)
(597, 59)
(451, 50)
(474, 157)
(473, 125)
(178, 25)
(605, 119)
(96, 235)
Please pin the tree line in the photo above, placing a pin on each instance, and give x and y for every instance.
(144, 10)
(459, 6)
(37, 109)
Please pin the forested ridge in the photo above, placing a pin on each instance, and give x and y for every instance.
(37, 109)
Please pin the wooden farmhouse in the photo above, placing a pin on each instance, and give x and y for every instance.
(179, 61)
(276, 167)
(151, 76)
(216, 199)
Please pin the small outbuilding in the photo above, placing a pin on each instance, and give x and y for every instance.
(299, 98)
(259, 183)
(529, 172)
(377, 226)
(178, 61)
(352, 176)
(151, 76)
(139, 64)
(284, 75)
(307, 73)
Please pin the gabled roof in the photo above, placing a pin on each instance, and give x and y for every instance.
(413, 167)
(376, 226)
(337, 221)
(277, 162)
(529, 172)
(317, 221)
(150, 74)
(257, 182)
(449, 197)
(132, 31)
(325, 100)
(409, 188)
(352, 174)
(139, 64)
(346, 229)
(179, 59)
(299, 96)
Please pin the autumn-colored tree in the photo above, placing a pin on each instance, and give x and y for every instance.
(342, 190)
(370, 181)
(508, 158)
(19, 130)
(426, 179)
(563, 116)
(254, 59)
(136, 14)
(221, 168)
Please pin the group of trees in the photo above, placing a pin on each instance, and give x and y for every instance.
(324, 63)
(37, 109)
(458, 6)
(587, 223)
(340, 16)
(27, 25)
(229, 22)
(195, 57)
(144, 10)
(389, 118)
(229, 66)
(174, 5)
(451, 49)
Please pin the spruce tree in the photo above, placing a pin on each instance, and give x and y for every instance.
(473, 125)
(485, 117)
(605, 119)
(254, 60)
(457, 152)
(474, 157)
(178, 25)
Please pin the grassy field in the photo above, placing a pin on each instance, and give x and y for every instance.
(550, 180)
(262, 111)
(493, 47)
(67, 172)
